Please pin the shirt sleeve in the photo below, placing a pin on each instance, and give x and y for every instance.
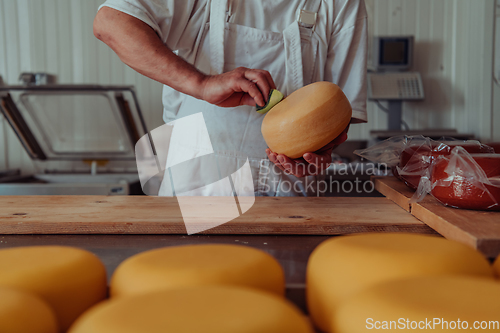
(176, 22)
(346, 63)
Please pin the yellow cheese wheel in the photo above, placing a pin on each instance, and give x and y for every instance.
(342, 266)
(22, 312)
(191, 265)
(496, 267)
(307, 120)
(69, 279)
(425, 304)
(205, 309)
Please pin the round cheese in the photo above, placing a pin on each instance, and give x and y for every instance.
(434, 304)
(342, 266)
(307, 120)
(496, 267)
(69, 279)
(23, 312)
(191, 265)
(214, 309)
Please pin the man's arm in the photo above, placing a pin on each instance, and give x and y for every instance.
(139, 47)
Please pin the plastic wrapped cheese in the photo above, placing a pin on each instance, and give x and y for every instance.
(433, 304)
(22, 312)
(203, 309)
(70, 280)
(343, 266)
(192, 265)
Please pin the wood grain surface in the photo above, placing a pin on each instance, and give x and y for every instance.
(162, 215)
(394, 190)
(479, 229)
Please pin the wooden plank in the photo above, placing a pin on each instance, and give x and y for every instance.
(478, 229)
(161, 215)
(394, 190)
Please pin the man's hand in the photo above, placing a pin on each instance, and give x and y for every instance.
(138, 46)
(310, 163)
(241, 86)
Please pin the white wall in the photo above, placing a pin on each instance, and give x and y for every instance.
(55, 36)
(495, 124)
(454, 53)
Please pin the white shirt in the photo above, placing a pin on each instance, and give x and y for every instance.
(341, 31)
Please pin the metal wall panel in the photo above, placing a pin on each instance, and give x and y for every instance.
(454, 53)
(495, 121)
(55, 36)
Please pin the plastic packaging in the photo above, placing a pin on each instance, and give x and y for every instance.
(458, 181)
(463, 180)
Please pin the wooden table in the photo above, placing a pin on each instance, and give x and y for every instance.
(161, 215)
(479, 229)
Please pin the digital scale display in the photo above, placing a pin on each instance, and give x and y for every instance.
(394, 52)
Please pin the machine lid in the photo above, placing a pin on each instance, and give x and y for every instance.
(74, 122)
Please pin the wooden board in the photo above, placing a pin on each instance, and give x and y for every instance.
(479, 229)
(161, 215)
(394, 190)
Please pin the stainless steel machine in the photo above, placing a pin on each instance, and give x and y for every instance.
(81, 138)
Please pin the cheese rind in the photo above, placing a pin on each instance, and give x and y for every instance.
(343, 266)
(24, 312)
(307, 120)
(70, 280)
(192, 265)
(496, 267)
(206, 309)
(444, 303)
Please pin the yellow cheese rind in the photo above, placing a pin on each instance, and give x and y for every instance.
(343, 266)
(193, 265)
(22, 312)
(496, 267)
(206, 309)
(307, 120)
(423, 301)
(70, 280)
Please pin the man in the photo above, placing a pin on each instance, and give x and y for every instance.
(228, 55)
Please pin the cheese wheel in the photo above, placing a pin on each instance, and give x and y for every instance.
(434, 304)
(214, 309)
(69, 279)
(307, 120)
(496, 267)
(342, 266)
(22, 312)
(192, 265)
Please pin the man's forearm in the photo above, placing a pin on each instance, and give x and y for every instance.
(139, 47)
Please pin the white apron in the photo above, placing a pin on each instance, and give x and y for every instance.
(212, 150)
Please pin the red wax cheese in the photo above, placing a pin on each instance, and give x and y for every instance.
(466, 193)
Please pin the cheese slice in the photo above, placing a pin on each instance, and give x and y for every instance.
(70, 280)
(343, 266)
(205, 309)
(24, 312)
(424, 304)
(192, 265)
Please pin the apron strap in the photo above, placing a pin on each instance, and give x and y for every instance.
(293, 58)
(218, 9)
(308, 14)
(312, 5)
(306, 17)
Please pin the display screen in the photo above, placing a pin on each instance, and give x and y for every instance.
(394, 52)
